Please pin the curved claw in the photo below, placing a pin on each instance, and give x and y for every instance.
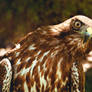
(5, 75)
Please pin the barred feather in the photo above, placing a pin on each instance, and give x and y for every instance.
(45, 60)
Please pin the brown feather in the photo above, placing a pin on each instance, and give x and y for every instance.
(45, 57)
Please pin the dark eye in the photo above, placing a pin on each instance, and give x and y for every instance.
(77, 24)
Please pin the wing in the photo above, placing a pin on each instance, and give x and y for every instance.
(40, 66)
(5, 75)
(77, 78)
(43, 63)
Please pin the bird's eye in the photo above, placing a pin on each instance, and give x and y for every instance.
(77, 24)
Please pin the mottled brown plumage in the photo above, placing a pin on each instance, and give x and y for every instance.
(49, 59)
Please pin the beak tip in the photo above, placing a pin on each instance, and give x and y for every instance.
(89, 30)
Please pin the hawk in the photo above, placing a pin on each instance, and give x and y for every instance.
(48, 59)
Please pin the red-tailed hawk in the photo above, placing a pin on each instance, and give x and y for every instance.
(49, 59)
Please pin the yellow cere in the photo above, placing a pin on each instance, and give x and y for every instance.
(89, 30)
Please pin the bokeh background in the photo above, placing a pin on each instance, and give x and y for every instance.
(18, 17)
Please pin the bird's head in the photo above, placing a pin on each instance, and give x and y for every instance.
(79, 24)
(83, 26)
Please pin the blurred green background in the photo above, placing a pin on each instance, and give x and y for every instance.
(18, 17)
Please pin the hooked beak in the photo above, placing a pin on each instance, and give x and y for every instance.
(87, 34)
